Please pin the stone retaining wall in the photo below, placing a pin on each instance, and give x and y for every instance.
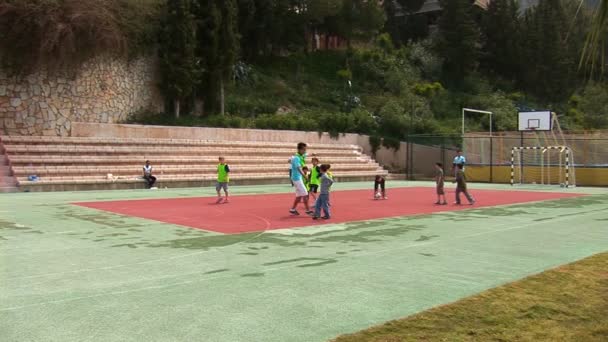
(103, 90)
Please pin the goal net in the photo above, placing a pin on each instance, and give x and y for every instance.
(547, 165)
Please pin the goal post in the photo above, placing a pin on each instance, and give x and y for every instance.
(547, 165)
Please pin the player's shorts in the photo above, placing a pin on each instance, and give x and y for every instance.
(440, 190)
(379, 185)
(300, 188)
(221, 185)
(314, 188)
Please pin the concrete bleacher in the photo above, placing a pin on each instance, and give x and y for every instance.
(76, 163)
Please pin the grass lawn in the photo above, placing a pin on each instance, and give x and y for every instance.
(569, 303)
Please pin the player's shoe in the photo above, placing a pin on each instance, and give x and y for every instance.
(226, 201)
(385, 197)
(315, 217)
(219, 200)
(437, 203)
(456, 203)
(310, 212)
(444, 203)
(471, 203)
(326, 217)
(294, 212)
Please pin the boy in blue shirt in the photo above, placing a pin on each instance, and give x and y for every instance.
(458, 160)
(323, 199)
(297, 177)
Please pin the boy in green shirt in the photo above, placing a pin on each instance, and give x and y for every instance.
(223, 178)
(315, 178)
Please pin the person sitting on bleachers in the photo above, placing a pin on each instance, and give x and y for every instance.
(148, 175)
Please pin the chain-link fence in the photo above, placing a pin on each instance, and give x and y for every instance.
(489, 158)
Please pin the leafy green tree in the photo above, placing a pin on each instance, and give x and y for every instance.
(177, 53)
(458, 39)
(593, 104)
(359, 19)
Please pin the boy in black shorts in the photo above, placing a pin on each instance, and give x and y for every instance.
(380, 184)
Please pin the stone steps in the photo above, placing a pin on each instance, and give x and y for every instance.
(107, 163)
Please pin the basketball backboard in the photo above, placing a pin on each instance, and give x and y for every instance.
(535, 121)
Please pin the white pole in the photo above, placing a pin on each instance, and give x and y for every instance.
(476, 111)
(463, 110)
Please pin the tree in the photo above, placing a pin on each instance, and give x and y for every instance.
(549, 68)
(177, 53)
(594, 51)
(358, 19)
(402, 22)
(501, 38)
(458, 39)
(218, 48)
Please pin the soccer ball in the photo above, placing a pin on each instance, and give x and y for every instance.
(378, 195)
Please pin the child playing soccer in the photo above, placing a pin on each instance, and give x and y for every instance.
(223, 178)
(297, 176)
(306, 178)
(314, 178)
(379, 184)
(439, 180)
(323, 199)
(461, 186)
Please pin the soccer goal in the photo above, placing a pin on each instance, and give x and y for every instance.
(547, 165)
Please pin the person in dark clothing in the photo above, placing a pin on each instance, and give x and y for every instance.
(461, 186)
(380, 187)
(439, 181)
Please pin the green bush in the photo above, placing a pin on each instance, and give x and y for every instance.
(592, 105)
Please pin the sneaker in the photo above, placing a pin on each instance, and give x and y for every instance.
(226, 201)
(437, 203)
(471, 203)
(219, 200)
(456, 203)
(385, 197)
(326, 217)
(310, 212)
(315, 217)
(294, 212)
(444, 203)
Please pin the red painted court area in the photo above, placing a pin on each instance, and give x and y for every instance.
(252, 213)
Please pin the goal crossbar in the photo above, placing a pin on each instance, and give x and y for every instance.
(565, 149)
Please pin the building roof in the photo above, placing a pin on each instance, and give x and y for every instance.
(435, 6)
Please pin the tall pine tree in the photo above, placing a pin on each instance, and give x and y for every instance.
(177, 53)
(501, 38)
(218, 48)
(458, 39)
(549, 67)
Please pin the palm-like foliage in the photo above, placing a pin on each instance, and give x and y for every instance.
(594, 52)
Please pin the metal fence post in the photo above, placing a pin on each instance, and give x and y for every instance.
(491, 159)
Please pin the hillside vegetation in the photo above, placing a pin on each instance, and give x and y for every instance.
(251, 63)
